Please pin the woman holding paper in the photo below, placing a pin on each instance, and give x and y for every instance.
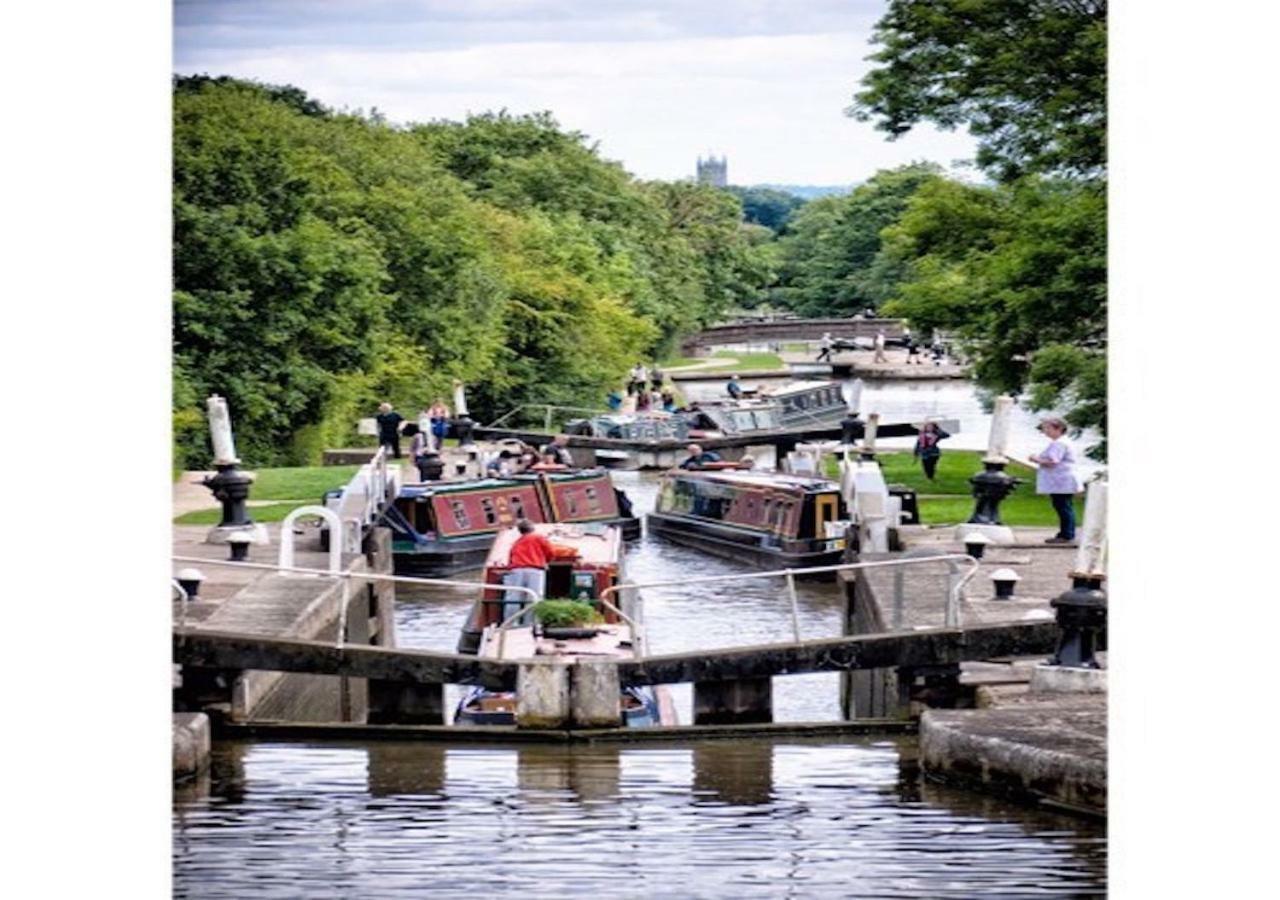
(1055, 477)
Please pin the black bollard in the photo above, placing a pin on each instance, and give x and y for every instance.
(851, 429)
(239, 543)
(463, 426)
(1082, 617)
(990, 487)
(1004, 580)
(432, 466)
(230, 487)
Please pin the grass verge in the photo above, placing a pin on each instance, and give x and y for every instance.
(953, 502)
(274, 512)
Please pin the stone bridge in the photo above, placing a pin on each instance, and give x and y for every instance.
(771, 330)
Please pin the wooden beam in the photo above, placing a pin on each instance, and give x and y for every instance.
(919, 648)
(223, 651)
(227, 651)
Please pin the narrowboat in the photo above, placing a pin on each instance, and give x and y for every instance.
(799, 404)
(440, 528)
(769, 519)
(646, 426)
(587, 564)
(808, 404)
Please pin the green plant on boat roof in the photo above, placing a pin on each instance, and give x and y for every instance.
(565, 613)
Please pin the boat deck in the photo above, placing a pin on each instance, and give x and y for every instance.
(613, 641)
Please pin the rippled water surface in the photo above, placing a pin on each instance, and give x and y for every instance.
(743, 818)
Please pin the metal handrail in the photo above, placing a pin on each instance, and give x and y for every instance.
(346, 576)
(548, 407)
(954, 593)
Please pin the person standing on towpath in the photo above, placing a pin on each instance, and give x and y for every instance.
(1055, 477)
(824, 347)
(389, 428)
(927, 449)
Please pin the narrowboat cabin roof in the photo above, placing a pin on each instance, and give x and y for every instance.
(759, 478)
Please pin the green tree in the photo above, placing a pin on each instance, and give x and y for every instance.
(1018, 272)
(1028, 78)
(324, 262)
(767, 206)
(833, 241)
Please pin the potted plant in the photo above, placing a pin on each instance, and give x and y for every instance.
(566, 618)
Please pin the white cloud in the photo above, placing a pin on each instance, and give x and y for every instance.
(771, 102)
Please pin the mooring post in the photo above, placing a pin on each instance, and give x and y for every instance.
(463, 426)
(868, 450)
(993, 484)
(851, 392)
(1082, 608)
(230, 486)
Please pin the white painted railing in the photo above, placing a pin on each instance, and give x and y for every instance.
(335, 536)
(371, 488)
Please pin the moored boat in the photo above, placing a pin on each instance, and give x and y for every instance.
(440, 528)
(587, 564)
(769, 519)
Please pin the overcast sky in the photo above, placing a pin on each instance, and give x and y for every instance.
(655, 82)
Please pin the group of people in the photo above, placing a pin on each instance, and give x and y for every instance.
(1055, 476)
(915, 350)
(512, 461)
(433, 420)
(646, 392)
(425, 435)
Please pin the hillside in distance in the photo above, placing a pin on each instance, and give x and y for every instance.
(809, 191)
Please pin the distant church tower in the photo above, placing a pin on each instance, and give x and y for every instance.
(714, 172)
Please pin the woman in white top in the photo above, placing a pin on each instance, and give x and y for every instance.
(1054, 476)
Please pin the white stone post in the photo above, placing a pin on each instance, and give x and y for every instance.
(224, 448)
(459, 398)
(998, 441)
(1091, 557)
(869, 435)
(851, 391)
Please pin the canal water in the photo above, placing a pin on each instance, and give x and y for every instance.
(849, 817)
(915, 401)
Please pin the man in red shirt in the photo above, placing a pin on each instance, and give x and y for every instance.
(528, 567)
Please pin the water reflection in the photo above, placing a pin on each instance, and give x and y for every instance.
(737, 773)
(554, 773)
(398, 769)
(750, 818)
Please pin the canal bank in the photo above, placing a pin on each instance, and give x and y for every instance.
(1017, 727)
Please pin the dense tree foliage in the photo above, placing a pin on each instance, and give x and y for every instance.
(1028, 78)
(1019, 274)
(324, 262)
(766, 206)
(826, 259)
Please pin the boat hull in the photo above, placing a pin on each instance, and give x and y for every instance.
(737, 544)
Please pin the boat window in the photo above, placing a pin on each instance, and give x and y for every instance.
(460, 514)
(516, 506)
(572, 502)
(490, 514)
(593, 499)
